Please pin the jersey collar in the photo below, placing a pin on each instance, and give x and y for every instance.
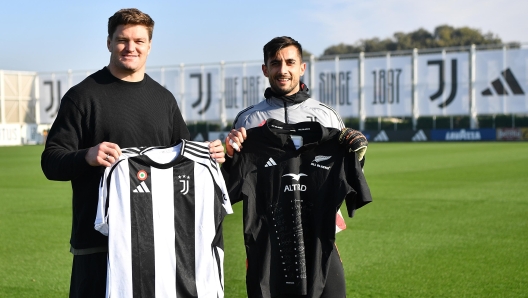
(279, 133)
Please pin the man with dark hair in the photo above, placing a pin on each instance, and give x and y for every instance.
(287, 100)
(116, 107)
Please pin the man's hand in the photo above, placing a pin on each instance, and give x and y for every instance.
(355, 141)
(234, 141)
(103, 154)
(217, 151)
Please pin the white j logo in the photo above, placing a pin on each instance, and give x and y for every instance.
(185, 185)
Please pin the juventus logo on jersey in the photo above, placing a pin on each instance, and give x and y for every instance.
(185, 184)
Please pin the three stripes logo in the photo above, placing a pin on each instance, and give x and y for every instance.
(419, 136)
(381, 137)
(141, 188)
(270, 163)
(499, 87)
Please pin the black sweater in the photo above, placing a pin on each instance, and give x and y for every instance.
(104, 108)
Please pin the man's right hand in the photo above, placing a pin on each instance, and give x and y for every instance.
(104, 154)
(234, 141)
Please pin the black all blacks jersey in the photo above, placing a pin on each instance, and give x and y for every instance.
(292, 178)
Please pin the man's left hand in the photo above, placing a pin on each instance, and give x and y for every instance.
(355, 141)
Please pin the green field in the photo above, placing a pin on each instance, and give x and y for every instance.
(448, 220)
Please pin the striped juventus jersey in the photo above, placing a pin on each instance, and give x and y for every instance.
(162, 209)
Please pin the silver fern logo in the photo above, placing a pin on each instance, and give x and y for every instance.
(320, 158)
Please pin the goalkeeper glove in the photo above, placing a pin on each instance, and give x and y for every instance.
(354, 140)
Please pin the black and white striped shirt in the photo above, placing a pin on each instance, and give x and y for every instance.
(162, 208)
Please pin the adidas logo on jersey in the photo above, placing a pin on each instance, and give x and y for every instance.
(142, 187)
(318, 159)
(270, 163)
(381, 137)
(419, 136)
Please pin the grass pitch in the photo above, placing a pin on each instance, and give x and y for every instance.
(448, 220)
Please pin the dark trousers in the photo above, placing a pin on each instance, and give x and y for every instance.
(88, 277)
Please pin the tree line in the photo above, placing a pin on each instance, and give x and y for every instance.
(443, 36)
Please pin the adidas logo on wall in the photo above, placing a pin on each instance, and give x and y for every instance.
(381, 137)
(419, 137)
(270, 163)
(499, 88)
(199, 138)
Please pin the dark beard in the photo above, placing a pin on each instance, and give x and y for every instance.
(281, 92)
(298, 97)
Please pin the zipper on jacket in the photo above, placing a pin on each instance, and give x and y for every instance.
(285, 112)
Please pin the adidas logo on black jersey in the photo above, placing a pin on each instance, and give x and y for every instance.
(270, 163)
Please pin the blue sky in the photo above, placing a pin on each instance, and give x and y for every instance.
(57, 35)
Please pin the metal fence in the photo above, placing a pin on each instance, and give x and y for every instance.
(406, 89)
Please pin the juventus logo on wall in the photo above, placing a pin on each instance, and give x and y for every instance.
(441, 83)
(200, 92)
(52, 98)
(499, 88)
(185, 184)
